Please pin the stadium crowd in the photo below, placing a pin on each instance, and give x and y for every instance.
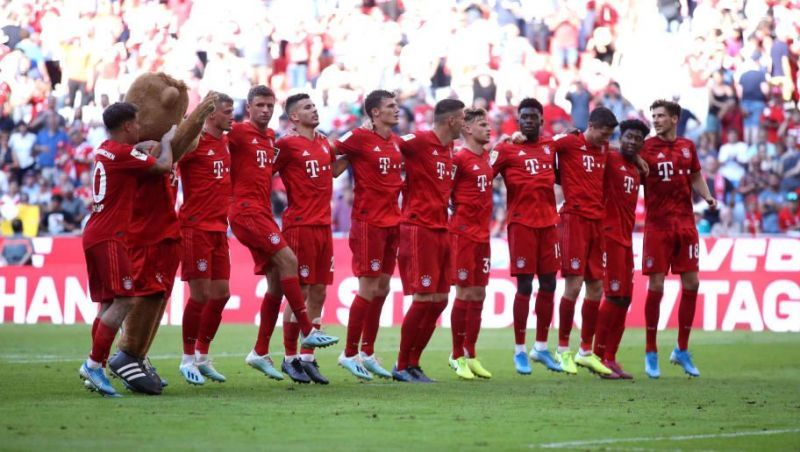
(733, 64)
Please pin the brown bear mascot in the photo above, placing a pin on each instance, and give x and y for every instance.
(162, 102)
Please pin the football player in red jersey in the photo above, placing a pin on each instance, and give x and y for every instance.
(424, 250)
(205, 259)
(154, 248)
(469, 229)
(377, 165)
(622, 181)
(252, 147)
(528, 170)
(117, 164)
(670, 236)
(305, 164)
(581, 167)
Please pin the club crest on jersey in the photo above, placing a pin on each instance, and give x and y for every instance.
(686, 153)
(520, 262)
(575, 263)
(127, 283)
(375, 265)
(202, 265)
(305, 271)
(546, 149)
(462, 274)
(425, 280)
(159, 277)
(614, 285)
(648, 262)
(274, 238)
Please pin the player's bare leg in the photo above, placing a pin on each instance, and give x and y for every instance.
(259, 358)
(465, 327)
(652, 311)
(544, 317)
(522, 300)
(680, 354)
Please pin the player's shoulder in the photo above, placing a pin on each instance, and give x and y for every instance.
(567, 138)
(683, 142)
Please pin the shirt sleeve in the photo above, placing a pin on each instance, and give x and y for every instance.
(407, 143)
(497, 159)
(695, 161)
(137, 160)
(281, 151)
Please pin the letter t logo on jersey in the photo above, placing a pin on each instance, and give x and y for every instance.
(261, 157)
(218, 169)
(665, 170)
(588, 162)
(532, 165)
(628, 183)
(383, 164)
(440, 170)
(312, 168)
(482, 182)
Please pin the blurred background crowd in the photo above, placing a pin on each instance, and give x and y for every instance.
(732, 64)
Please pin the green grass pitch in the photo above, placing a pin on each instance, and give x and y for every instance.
(748, 398)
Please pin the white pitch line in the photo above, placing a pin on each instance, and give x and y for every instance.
(599, 442)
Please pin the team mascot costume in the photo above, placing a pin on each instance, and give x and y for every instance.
(162, 102)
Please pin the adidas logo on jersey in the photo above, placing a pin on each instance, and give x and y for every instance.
(475, 167)
(435, 153)
(255, 141)
(211, 152)
(583, 147)
(521, 152)
(306, 154)
(661, 155)
(377, 149)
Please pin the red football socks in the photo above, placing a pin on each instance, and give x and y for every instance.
(270, 309)
(355, 325)
(372, 322)
(615, 332)
(686, 317)
(291, 331)
(589, 324)
(566, 315)
(408, 331)
(544, 314)
(458, 326)
(209, 324)
(652, 309)
(191, 324)
(102, 341)
(605, 326)
(522, 306)
(474, 311)
(293, 294)
(432, 313)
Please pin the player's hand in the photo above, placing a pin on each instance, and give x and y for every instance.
(167, 138)
(207, 105)
(518, 138)
(147, 147)
(573, 131)
(368, 125)
(712, 203)
(644, 169)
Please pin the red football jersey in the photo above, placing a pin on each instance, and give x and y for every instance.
(581, 166)
(528, 170)
(472, 195)
(154, 217)
(206, 179)
(306, 169)
(668, 186)
(429, 179)
(377, 165)
(252, 155)
(622, 193)
(116, 167)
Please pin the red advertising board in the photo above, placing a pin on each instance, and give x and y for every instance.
(746, 283)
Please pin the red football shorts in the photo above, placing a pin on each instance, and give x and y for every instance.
(533, 250)
(582, 247)
(471, 262)
(261, 235)
(313, 246)
(619, 270)
(154, 267)
(424, 259)
(374, 248)
(675, 249)
(110, 271)
(205, 255)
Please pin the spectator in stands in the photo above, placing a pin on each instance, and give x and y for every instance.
(789, 216)
(790, 165)
(579, 97)
(57, 220)
(752, 89)
(732, 156)
(770, 202)
(21, 142)
(73, 205)
(48, 142)
(17, 249)
(721, 100)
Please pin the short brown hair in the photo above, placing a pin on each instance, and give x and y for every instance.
(259, 90)
(472, 114)
(673, 109)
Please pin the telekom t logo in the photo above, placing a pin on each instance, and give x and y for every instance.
(383, 164)
(218, 169)
(261, 158)
(312, 168)
(588, 162)
(665, 170)
(628, 183)
(482, 182)
(440, 170)
(532, 165)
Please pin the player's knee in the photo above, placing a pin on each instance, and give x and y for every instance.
(547, 282)
(478, 293)
(525, 284)
(690, 281)
(594, 289)
(286, 262)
